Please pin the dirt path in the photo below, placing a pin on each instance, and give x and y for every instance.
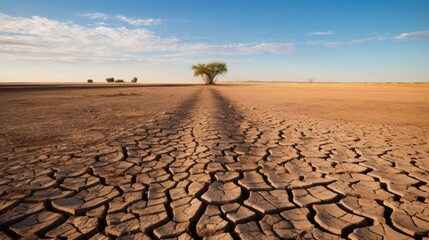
(214, 169)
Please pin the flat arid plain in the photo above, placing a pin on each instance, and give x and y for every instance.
(229, 161)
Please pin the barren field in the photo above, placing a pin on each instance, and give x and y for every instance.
(231, 161)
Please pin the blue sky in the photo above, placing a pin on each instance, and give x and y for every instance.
(158, 41)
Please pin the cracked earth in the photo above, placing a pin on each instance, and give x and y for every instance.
(214, 169)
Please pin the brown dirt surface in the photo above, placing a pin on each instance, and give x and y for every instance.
(231, 161)
(380, 103)
(50, 115)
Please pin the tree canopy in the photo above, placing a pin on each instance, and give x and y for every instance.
(209, 71)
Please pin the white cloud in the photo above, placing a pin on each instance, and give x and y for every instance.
(235, 49)
(413, 35)
(96, 15)
(121, 18)
(100, 23)
(139, 21)
(345, 43)
(42, 39)
(321, 33)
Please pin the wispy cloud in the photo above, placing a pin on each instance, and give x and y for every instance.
(43, 39)
(95, 15)
(323, 33)
(131, 21)
(100, 23)
(346, 42)
(412, 35)
(139, 21)
(402, 36)
(235, 48)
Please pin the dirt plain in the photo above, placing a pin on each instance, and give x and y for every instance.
(231, 161)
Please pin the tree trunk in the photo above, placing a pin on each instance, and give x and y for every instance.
(210, 80)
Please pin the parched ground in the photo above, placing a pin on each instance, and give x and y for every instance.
(233, 161)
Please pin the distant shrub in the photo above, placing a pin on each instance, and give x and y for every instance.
(119, 81)
(134, 80)
(110, 80)
(89, 81)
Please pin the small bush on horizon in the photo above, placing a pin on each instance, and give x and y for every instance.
(89, 81)
(119, 81)
(110, 80)
(134, 80)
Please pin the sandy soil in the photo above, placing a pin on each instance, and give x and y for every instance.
(231, 161)
(396, 104)
(51, 115)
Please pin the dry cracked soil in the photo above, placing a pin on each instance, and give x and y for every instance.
(221, 162)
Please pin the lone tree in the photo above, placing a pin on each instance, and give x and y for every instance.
(209, 71)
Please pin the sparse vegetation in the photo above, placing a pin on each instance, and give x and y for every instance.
(113, 80)
(210, 71)
(89, 81)
(134, 80)
(310, 80)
